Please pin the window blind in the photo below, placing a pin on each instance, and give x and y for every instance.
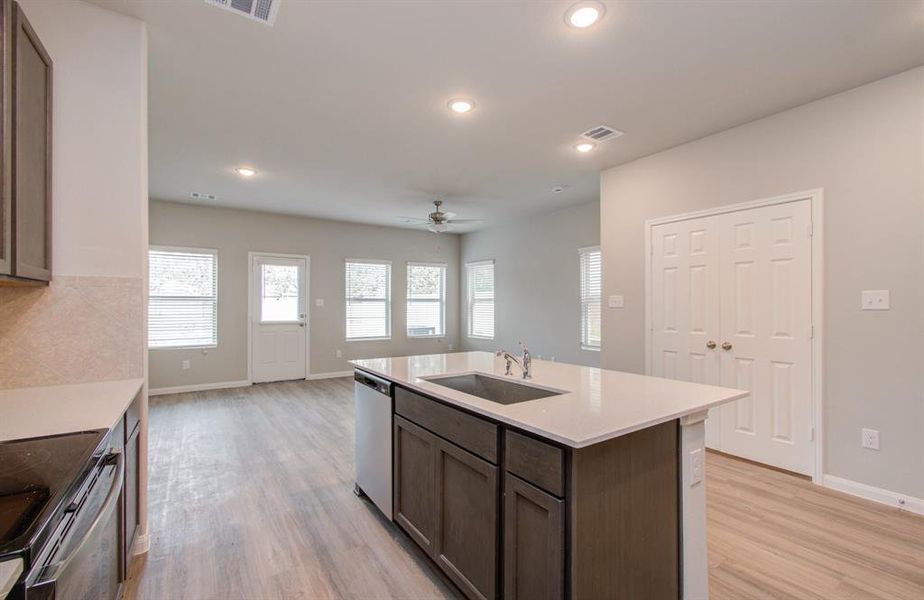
(480, 278)
(368, 300)
(426, 300)
(590, 298)
(182, 298)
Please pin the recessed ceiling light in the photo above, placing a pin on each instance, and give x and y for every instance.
(246, 171)
(461, 105)
(584, 14)
(585, 147)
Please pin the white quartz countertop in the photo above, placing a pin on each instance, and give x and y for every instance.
(597, 405)
(37, 411)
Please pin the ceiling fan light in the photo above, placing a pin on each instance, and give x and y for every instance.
(438, 227)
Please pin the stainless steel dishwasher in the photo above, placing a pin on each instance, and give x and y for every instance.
(373, 397)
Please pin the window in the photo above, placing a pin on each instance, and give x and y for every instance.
(368, 300)
(426, 300)
(183, 298)
(279, 293)
(480, 276)
(590, 298)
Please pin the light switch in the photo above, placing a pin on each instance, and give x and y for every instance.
(617, 301)
(874, 300)
(319, 302)
(696, 466)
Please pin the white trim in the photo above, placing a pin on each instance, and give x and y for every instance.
(141, 544)
(816, 201)
(443, 301)
(388, 298)
(475, 263)
(875, 494)
(331, 375)
(147, 296)
(198, 387)
(251, 255)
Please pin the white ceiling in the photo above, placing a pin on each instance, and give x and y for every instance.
(341, 106)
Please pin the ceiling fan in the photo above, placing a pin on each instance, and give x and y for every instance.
(439, 220)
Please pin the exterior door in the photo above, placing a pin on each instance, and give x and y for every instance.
(766, 345)
(279, 318)
(731, 302)
(685, 299)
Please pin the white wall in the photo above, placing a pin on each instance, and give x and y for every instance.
(329, 243)
(865, 147)
(537, 282)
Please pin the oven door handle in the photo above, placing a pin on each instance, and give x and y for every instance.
(112, 499)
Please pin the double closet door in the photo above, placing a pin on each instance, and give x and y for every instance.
(731, 305)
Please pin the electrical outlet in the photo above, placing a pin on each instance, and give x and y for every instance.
(870, 439)
(184, 365)
(450, 346)
(319, 302)
(874, 300)
(617, 301)
(339, 353)
(696, 466)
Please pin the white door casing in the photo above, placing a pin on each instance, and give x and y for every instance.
(743, 278)
(278, 317)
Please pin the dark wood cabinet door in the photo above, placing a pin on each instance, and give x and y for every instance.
(31, 152)
(468, 497)
(415, 507)
(534, 540)
(132, 458)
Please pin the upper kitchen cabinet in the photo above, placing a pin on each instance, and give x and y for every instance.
(25, 240)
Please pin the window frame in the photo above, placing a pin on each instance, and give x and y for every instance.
(187, 250)
(470, 301)
(442, 299)
(388, 303)
(582, 319)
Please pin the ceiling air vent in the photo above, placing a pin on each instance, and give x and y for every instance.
(602, 133)
(201, 196)
(258, 10)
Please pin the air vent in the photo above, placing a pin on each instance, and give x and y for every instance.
(258, 10)
(601, 133)
(201, 196)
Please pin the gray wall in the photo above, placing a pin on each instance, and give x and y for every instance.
(537, 282)
(329, 243)
(865, 147)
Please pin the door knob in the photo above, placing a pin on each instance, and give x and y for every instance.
(711, 344)
(726, 346)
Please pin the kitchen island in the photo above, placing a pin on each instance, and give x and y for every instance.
(587, 483)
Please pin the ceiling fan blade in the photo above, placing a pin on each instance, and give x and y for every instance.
(414, 220)
(466, 221)
(448, 216)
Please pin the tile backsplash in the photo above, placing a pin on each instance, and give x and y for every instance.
(76, 329)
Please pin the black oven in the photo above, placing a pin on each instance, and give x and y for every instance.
(81, 557)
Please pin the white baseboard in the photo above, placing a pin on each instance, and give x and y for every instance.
(854, 488)
(142, 543)
(332, 375)
(199, 387)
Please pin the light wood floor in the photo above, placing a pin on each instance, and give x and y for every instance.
(251, 497)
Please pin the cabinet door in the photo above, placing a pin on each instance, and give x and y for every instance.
(467, 497)
(31, 152)
(132, 450)
(415, 505)
(534, 539)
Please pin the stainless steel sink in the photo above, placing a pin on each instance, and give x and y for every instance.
(495, 389)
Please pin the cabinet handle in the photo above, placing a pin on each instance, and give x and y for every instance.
(726, 346)
(711, 344)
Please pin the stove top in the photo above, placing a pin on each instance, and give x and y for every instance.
(36, 476)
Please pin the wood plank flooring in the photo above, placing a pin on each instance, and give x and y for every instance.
(251, 497)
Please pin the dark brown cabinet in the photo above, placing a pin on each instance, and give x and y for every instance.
(415, 482)
(25, 161)
(466, 542)
(131, 517)
(534, 542)
(446, 499)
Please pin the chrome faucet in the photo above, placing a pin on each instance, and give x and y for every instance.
(525, 362)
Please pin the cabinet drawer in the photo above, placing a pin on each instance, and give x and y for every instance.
(536, 462)
(475, 435)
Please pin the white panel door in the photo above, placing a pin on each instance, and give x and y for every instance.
(685, 305)
(279, 325)
(766, 345)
